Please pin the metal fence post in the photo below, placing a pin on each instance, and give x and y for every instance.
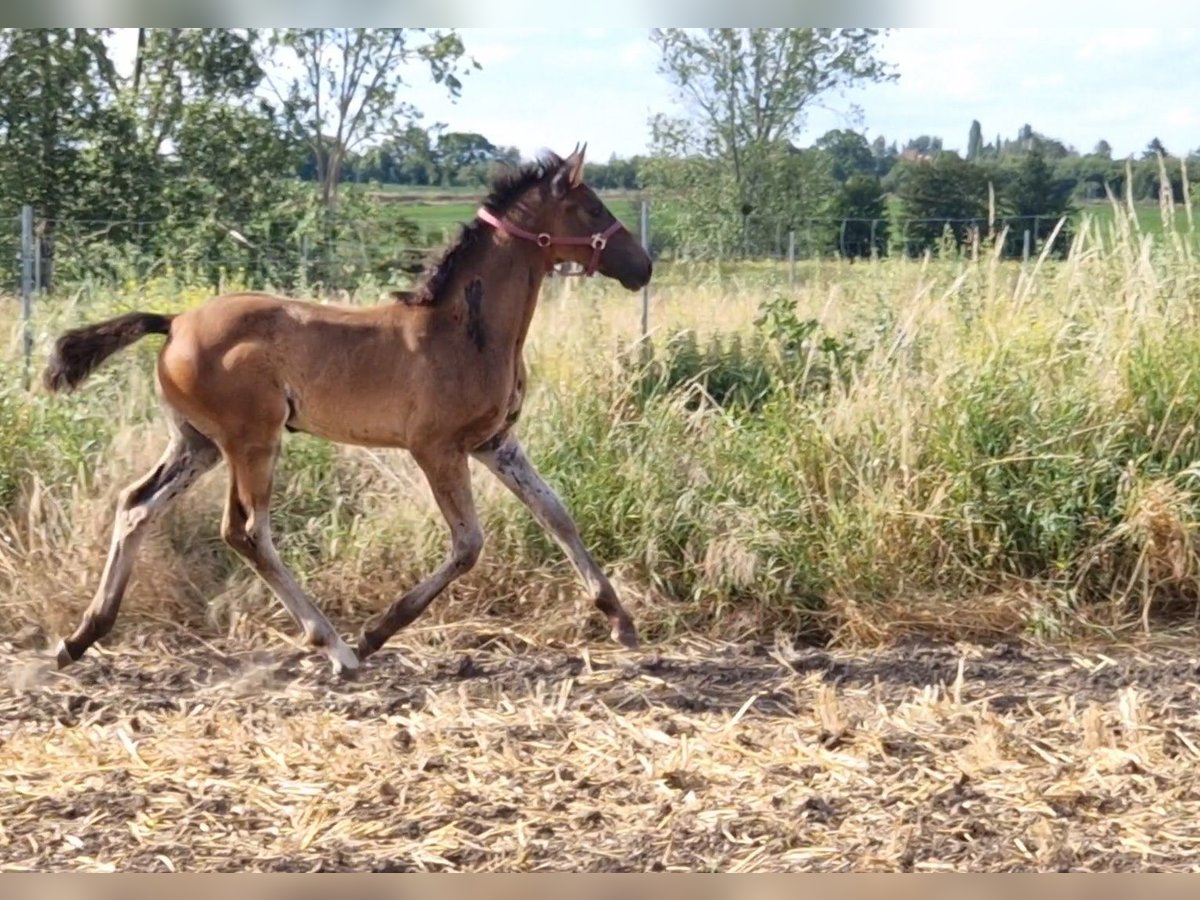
(646, 287)
(1025, 250)
(27, 285)
(304, 264)
(37, 264)
(791, 259)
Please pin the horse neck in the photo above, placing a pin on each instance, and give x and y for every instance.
(509, 272)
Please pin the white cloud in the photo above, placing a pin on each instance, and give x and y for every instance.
(1049, 80)
(493, 53)
(1182, 117)
(637, 53)
(1109, 42)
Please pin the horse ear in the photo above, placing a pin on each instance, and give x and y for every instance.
(570, 175)
(575, 165)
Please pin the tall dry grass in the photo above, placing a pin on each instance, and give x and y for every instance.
(958, 446)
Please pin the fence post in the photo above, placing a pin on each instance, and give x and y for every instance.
(1025, 250)
(27, 285)
(303, 264)
(646, 287)
(37, 264)
(791, 259)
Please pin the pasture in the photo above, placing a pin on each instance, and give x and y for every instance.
(910, 549)
(439, 211)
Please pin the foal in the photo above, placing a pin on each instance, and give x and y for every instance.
(439, 372)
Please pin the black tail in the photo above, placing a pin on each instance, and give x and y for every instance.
(79, 351)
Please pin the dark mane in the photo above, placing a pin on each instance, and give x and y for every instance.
(506, 188)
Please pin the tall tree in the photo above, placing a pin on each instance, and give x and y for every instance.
(975, 141)
(1038, 199)
(350, 85)
(1155, 149)
(746, 93)
(51, 99)
(174, 67)
(945, 193)
(849, 153)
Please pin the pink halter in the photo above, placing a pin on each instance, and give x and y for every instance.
(597, 241)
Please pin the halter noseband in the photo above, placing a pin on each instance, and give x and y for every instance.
(597, 241)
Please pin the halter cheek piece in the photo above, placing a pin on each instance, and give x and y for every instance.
(597, 241)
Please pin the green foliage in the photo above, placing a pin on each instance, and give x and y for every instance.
(975, 141)
(849, 154)
(1037, 200)
(348, 87)
(945, 195)
(746, 91)
(861, 206)
(741, 374)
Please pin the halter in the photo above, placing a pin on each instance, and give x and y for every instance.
(597, 241)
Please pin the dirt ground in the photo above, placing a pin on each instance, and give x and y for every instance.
(201, 756)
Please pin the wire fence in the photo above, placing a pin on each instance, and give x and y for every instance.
(299, 256)
(46, 256)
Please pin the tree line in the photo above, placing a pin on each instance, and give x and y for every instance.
(223, 143)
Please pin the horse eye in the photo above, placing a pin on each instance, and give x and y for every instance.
(595, 211)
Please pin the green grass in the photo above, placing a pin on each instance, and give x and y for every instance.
(438, 211)
(442, 218)
(958, 446)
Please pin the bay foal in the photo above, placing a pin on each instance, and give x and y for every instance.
(439, 373)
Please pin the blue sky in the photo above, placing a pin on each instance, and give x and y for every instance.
(553, 87)
(544, 87)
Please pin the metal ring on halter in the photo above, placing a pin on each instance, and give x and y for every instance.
(544, 240)
(599, 242)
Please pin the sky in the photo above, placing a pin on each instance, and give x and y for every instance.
(550, 88)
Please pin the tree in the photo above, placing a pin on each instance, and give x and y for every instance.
(1037, 200)
(885, 156)
(925, 145)
(174, 67)
(51, 99)
(1155, 149)
(349, 88)
(464, 157)
(746, 92)
(946, 192)
(849, 153)
(860, 206)
(975, 141)
(1103, 149)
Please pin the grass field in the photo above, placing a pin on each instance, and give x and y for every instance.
(911, 547)
(439, 211)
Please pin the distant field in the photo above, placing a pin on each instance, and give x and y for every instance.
(438, 213)
(1149, 217)
(439, 210)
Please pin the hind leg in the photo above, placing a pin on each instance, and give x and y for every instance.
(188, 456)
(247, 529)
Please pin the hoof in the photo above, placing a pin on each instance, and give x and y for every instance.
(344, 660)
(366, 646)
(625, 635)
(63, 655)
